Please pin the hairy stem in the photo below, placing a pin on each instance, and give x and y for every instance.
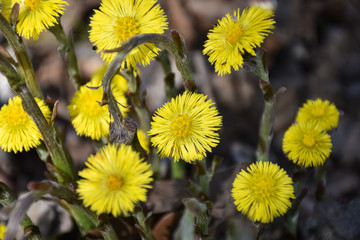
(25, 69)
(143, 225)
(59, 155)
(257, 65)
(67, 52)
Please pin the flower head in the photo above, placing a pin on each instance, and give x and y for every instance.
(118, 20)
(88, 117)
(236, 34)
(115, 180)
(35, 15)
(185, 128)
(307, 144)
(118, 81)
(263, 192)
(18, 131)
(2, 230)
(318, 112)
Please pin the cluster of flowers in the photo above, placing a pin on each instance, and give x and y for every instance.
(307, 143)
(116, 177)
(264, 191)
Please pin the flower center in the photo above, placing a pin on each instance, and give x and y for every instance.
(17, 116)
(309, 140)
(318, 111)
(180, 126)
(114, 182)
(263, 187)
(233, 33)
(125, 28)
(32, 4)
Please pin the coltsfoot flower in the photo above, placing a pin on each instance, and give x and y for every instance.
(307, 144)
(236, 34)
(34, 15)
(18, 131)
(87, 116)
(115, 180)
(185, 128)
(263, 192)
(319, 112)
(118, 20)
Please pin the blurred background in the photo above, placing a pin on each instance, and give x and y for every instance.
(314, 52)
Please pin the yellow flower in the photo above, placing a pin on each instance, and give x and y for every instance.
(35, 15)
(307, 144)
(118, 20)
(234, 35)
(115, 180)
(118, 80)
(185, 128)
(318, 112)
(263, 192)
(18, 131)
(143, 139)
(87, 116)
(2, 231)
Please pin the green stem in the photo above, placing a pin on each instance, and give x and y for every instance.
(169, 79)
(265, 133)
(143, 225)
(25, 69)
(31, 231)
(260, 230)
(84, 218)
(257, 65)
(67, 52)
(55, 146)
(204, 178)
(59, 155)
(163, 58)
(106, 229)
(202, 213)
(8, 57)
(155, 163)
(320, 175)
(177, 169)
(138, 101)
(182, 60)
(7, 198)
(291, 218)
(68, 199)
